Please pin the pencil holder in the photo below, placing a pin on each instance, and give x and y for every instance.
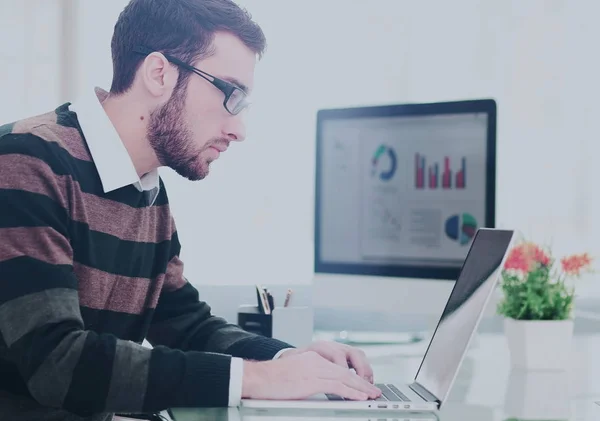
(252, 320)
(292, 325)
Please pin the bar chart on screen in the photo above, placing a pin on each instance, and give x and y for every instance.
(439, 175)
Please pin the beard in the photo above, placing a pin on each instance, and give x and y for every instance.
(172, 141)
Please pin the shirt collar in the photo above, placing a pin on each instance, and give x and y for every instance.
(109, 154)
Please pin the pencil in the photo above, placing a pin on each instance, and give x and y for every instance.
(288, 296)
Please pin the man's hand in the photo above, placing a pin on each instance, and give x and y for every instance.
(340, 354)
(300, 375)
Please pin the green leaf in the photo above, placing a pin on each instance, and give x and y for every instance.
(539, 295)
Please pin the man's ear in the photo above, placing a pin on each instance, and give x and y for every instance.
(158, 75)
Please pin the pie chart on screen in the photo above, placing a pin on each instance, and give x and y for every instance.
(461, 228)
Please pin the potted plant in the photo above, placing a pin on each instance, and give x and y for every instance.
(537, 304)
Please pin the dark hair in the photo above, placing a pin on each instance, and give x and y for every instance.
(182, 28)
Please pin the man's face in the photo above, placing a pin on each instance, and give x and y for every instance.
(193, 128)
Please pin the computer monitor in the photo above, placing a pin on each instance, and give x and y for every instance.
(400, 192)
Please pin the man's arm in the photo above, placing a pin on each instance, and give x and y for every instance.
(182, 321)
(41, 329)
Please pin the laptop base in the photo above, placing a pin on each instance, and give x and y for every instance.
(340, 405)
(410, 402)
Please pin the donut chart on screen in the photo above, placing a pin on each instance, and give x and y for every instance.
(384, 174)
(461, 228)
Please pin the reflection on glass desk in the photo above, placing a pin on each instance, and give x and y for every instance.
(487, 389)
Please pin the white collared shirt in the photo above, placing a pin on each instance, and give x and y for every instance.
(109, 154)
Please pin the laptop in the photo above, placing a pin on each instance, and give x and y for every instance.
(448, 345)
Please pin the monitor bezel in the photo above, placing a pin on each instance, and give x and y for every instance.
(487, 106)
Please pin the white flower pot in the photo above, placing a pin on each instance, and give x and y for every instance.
(539, 344)
(538, 395)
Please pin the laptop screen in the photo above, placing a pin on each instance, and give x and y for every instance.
(476, 281)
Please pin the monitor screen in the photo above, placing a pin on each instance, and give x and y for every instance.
(463, 311)
(401, 190)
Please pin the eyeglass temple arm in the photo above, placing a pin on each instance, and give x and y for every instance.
(146, 51)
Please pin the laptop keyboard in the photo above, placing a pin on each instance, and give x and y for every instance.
(389, 392)
(401, 395)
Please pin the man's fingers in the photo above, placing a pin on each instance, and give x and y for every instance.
(336, 387)
(355, 381)
(336, 355)
(340, 358)
(360, 363)
(334, 372)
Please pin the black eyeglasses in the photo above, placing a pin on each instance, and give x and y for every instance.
(236, 99)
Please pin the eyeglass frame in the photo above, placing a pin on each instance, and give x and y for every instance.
(227, 88)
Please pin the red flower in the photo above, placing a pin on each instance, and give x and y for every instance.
(517, 260)
(526, 257)
(540, 256)
(573, 265)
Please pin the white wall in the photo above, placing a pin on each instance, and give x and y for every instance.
(30, 33)
(251, 220)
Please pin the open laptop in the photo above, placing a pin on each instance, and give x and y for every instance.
(448, 345)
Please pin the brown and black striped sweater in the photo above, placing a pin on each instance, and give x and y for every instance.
(85, 277)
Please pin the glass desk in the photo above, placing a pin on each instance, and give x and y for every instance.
(487, 389)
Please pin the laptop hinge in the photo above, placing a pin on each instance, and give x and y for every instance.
(422, 392)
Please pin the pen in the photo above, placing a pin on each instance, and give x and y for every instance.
(288, 296)
(265, 300)
(262, 306)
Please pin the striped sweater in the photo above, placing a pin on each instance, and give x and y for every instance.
(85, 277)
